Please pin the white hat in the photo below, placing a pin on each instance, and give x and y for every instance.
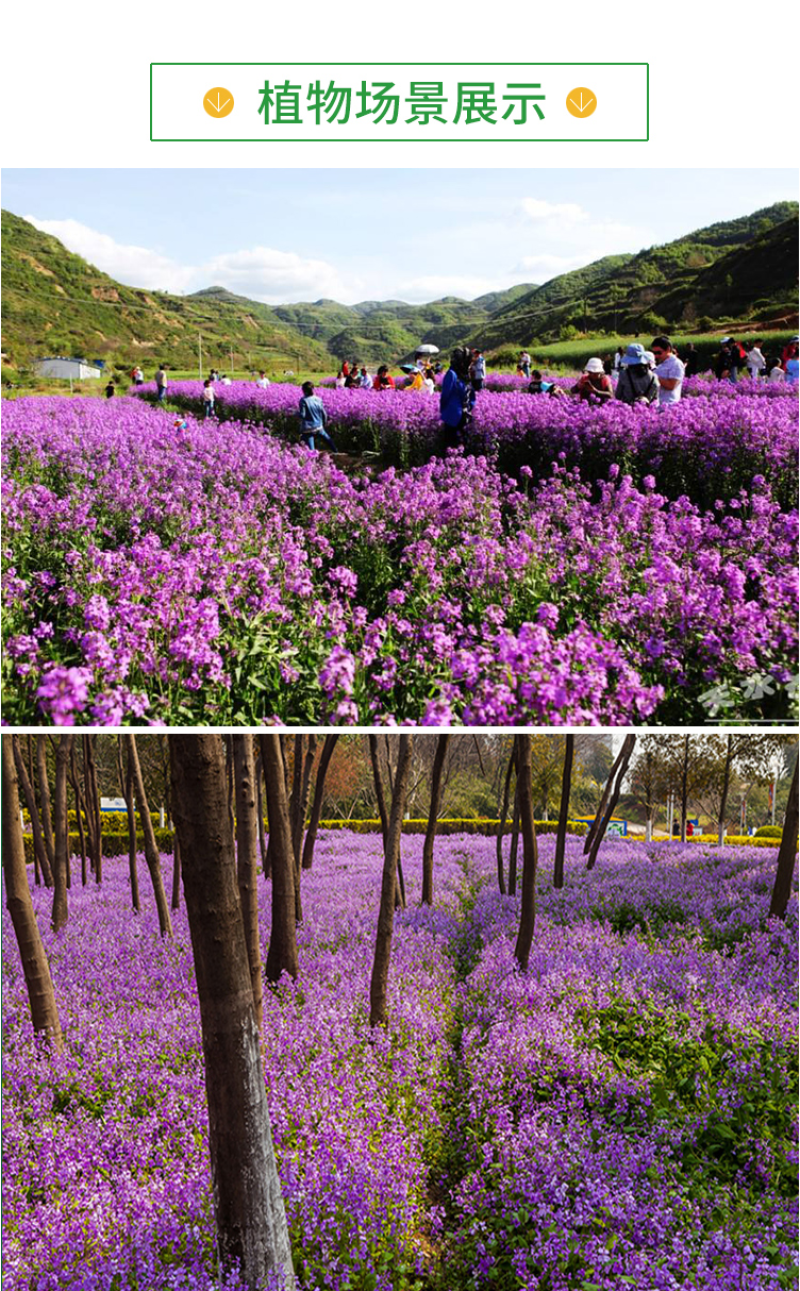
(651, 358)
(594, 365)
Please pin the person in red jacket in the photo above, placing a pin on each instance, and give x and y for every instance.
(382, 379)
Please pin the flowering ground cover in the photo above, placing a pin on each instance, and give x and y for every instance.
(707, 447)
(621, 1115)
(215, 575)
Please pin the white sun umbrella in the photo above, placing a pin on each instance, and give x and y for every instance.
(427, 349)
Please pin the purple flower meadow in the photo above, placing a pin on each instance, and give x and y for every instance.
(621, 1115)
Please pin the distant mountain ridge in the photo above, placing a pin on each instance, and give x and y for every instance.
(54, 302)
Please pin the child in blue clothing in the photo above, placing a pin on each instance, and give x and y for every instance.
(313, 419)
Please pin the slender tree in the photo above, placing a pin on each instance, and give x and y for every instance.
(527, 918)
(595, 825)
(93, 812)
(383, 941)
(787, 852)
(79, 812)
(61, 845)
(250, 1217)
(126, 787)
(514, 848)
(319, 796)
(442, 745)
(20, 906)
(380, 798)
(282, 953)
(40, 850)
(44, 799)
(151, 855)
(602, 824)
(501, 828)
(247, 862)
(563, 813)
(262, 834)
(304, 751)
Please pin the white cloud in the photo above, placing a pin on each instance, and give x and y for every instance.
(277, 277)
(132, 265)
(533, 208)
(540, 268)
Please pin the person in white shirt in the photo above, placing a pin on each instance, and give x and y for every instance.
(263, 380)
(777, 375)
(225, 381)
(755, 361)
(669, 370)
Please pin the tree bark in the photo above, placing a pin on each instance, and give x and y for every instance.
(622, 766)
(316, 806)
(787, 851)
(79, 814)
(127, 790)
(726, 784)
(587, 846)
(383, 941)
(35, 967)
(250, 1215)
(561, 836)
(39, 847)
(93, 813)
(262, 836)
(514, 848)
(247, 863)
(380, 796)
(527, 918)
(501, 881)
(151, 855)
(175, 903)
(304, 749)
(282, 953)
(61, 846)
(442, 744)
(44, 798)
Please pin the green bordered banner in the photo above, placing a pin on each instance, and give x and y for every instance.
(399, 103)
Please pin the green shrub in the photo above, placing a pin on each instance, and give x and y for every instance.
(769, 831)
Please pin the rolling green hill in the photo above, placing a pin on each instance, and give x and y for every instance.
(740, 269)
(56, 303)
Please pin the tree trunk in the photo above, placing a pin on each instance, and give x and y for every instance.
(151, 855)
(93, 813)
(514, 849)
(61, 847)
(527, 918)
(684, 787)
(304, 750)
(380, 797)
(282, 953)
(593, 828)
(622, 766)
(501, 882)
(44, 798)
(262, 836)
(247, 862)
(383, 942)
(726, 784)
(786, 856)
(433, 815)
(175, 903)
(127, 790)
(39, 847)
(250, 1216)
(561, 836)
(316, 806)
(78, 796)
(20, 906)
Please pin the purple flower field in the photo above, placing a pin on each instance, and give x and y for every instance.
(214, 575)
(707, 446)
(620, 1116)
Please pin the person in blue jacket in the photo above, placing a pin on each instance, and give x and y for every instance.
(313, 418)
(457, 398)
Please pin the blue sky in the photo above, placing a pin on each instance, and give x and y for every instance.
(289, 235)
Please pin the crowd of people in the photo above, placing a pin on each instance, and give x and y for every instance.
(633, 375)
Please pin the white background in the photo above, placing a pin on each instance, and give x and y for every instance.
(723, 77)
